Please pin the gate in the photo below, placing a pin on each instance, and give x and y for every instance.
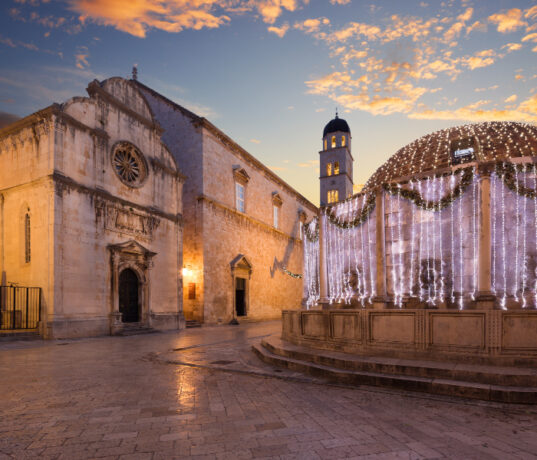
(20, 307)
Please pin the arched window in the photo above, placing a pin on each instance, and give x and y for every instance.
(27, 246)
(333, 196)
(342, 141)
(336, 167)
(333, 142)
(325, 144)
(329, 169)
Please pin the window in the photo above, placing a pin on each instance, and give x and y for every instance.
(342, 141)
(336, 167)
(329, 169)
(325, 144)
(300, 229)
(333, 196)
(129, 164)
(239, 197)
(275, 213)
(27, 247)
(333, 142)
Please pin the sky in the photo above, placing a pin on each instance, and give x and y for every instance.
(271, 73)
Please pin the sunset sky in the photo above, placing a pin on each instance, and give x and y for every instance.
(270, 73)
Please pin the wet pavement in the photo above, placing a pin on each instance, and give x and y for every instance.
(201, 393)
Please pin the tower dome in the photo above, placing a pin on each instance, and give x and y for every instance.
(337, 124)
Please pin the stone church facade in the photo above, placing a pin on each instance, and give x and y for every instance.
(95, 211)
(242, 223)
(91, 212)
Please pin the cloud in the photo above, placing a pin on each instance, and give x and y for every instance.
(509, 21)
(340, 2)
(255, 141)
(279, 31)
(512, 47)
(311, 26)
(526, 112)
(277, 168)
(81, 57)
(137, 17)
(511, 98)
(309, 164)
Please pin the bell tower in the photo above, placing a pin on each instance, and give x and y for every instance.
(336, 162)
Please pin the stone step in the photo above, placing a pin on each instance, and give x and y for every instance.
(192, 323)
(136, 329)
(441, 386)
(8, 335)
(488, 374)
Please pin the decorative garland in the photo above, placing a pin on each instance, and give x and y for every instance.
(506, 172)
(358, 220)
(312, 237)
(444, 202)
(291, 274)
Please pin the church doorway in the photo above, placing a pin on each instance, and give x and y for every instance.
(240, 296)
(129, 306)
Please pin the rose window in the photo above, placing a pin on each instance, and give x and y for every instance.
(128, 164)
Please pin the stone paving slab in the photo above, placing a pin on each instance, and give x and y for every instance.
(162, 396)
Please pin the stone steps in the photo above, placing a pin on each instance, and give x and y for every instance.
(136, 329)
(8, 335)
(192, 323)
(445, 378)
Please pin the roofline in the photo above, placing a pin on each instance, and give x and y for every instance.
(226, 140)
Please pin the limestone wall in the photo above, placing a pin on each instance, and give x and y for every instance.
(487, 336)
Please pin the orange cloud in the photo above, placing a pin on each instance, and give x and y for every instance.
(511, 98)
(509, 21)
(279, 31)
(526, 111)
(136, 17)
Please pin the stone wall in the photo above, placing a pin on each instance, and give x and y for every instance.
(80, 210)
(487, 336)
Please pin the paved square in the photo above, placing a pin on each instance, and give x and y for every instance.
(201, 393)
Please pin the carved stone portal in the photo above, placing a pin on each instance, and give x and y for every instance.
(130, 255)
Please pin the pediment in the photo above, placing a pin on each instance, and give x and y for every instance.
(276, 199)
(240, 174)
(241, 263)
(131, 247)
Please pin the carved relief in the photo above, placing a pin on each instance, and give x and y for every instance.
(125, 220)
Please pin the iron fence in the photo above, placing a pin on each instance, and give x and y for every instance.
(20, 307)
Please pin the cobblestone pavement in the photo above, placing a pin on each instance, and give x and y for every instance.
(200, 393)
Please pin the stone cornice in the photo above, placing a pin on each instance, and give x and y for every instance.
(65, 181)
(94, 88)
(48, 113)
(237, 149)
(242, 216)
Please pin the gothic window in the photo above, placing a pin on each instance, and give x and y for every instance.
(276, 216)
(27, 246)
(329, 169)
(129, 164)
(336, 167)
(239, 197)
(333, 196)
(342, 141)
(333, 142)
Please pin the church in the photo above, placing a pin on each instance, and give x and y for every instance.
(123, 211)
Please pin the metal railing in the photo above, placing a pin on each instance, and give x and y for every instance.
(20, 307)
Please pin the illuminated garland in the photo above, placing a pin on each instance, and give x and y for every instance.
(291, 274)
(508, 171)
(358, 220)
(312, 237)
(417, 198)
